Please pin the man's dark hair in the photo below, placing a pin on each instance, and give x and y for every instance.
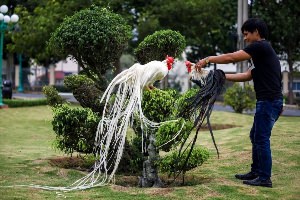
(253, 24)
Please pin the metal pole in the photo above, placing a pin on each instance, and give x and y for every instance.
(241, 18)
(2, 29)
(245, 17)
(20, 88)
(3, 26)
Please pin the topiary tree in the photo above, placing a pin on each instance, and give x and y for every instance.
(160, 105)
(240, 98)
(157, 104)
(160, 44)
(95, 37)
(74, 128)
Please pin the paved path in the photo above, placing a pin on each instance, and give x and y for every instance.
(68, 96)
(288, 109)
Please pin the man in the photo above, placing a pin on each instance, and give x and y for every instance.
(265, 71)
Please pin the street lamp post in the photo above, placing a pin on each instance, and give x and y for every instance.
(4, 20)
(20, 88)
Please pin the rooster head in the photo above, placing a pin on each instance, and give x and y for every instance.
(170, 62)
(195, 75)
(188, 65)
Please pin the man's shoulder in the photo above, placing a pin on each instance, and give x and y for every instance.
(257, 47)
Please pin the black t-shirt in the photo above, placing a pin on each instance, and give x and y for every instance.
(266, 70)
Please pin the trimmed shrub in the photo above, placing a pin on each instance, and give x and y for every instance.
(95, 37)
(53, 98)
(167, 132)
(173, 162)
(182, 102)
(75, 128)
(240, 98)
(161, 105)
(157, 104)
(160, 44)
(61, 88)
(85, 91)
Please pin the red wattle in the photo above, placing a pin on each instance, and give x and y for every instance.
(188, 65)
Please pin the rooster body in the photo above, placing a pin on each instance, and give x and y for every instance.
(148, 73)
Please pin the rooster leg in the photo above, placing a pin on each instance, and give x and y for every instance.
(147, 88)
(151, 87)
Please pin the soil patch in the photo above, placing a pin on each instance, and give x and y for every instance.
(218, 126)
(77, 163)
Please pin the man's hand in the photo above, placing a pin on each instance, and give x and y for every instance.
(201, 63)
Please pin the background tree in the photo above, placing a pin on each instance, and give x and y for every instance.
(202, 23)
(38, 19)
(284, 31)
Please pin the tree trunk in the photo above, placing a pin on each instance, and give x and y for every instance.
(150, 176)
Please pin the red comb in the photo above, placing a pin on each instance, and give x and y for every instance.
(188, 65)
(170, 62)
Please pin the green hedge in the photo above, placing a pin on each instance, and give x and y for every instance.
(171, 163)
(240, 98)
(14, 103)
(75, 128)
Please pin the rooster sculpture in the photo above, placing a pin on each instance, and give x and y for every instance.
(122, 103)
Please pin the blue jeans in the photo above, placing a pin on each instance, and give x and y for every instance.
(267, 113)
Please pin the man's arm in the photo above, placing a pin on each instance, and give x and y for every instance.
(237, 56)
(239, 77)
(229, 57)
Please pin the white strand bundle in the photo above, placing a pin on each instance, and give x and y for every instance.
(198, 75)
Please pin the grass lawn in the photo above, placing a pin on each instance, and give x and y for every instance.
(26, 138)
